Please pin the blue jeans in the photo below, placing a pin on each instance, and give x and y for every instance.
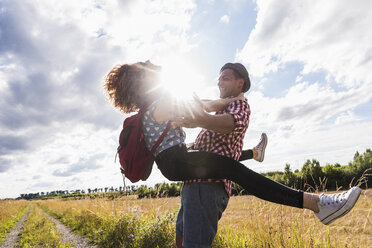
(202, 205)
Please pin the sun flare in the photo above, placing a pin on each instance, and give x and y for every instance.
(180, 78)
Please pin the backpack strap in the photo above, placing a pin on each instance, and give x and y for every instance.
(141, 111)
(161, 137)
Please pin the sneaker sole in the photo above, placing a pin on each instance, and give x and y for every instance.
(264, 148)
(342, 211)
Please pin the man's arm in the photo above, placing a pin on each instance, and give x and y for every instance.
(219, 123)
(223, 123)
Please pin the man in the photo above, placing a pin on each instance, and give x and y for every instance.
(204, 201)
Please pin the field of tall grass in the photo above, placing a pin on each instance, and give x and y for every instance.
(247, 222)
(10, 213)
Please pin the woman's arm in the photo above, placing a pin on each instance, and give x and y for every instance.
(164, 110)
(220, 104)
(169, 108)
(199, 117)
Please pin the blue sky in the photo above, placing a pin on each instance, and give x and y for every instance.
(309, 63)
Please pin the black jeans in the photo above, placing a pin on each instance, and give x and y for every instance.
(179, 164)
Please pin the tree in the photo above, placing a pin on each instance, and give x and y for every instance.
(288, 177)
(311, 173)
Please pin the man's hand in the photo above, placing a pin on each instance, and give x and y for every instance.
(192, 115)
(183, 122)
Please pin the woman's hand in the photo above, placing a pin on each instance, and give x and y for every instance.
(240, 97)
(193, 112)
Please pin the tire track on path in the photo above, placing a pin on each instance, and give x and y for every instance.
(12, 238)
(68, 236)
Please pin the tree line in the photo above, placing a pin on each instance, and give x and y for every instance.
(159, 190)
(311, 177)
(314, 177)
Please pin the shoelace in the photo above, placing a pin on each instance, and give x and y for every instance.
(332, 198)
(260, 145)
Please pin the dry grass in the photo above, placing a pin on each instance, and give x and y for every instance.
(254, 221)
(40, 231)
(247, 222)
(10, 212)
(117, 207)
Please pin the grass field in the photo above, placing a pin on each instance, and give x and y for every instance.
(247, 222)
(129, 222)
(40, 231)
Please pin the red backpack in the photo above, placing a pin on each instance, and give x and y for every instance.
(135, 159)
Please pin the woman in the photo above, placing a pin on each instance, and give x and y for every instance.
(132, 86)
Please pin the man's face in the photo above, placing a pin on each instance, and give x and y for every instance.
(228, 84)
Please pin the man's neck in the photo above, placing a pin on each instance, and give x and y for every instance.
(227, 97)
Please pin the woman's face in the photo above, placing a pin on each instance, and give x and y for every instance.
(152, 75)
(152, 72)
(150, 65)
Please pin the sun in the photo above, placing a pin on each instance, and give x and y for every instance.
(180, 78)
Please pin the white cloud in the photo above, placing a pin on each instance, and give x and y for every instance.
(309, 121)
(314, 119)
(55, 120)
(326, 143)
(298, 79)
(305, 108)
(142, 28)
(225, 19)
(333, 36)
(346, 117)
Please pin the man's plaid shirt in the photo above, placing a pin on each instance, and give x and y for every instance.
(229, 145)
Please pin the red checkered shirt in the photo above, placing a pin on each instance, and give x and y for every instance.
(229, 145)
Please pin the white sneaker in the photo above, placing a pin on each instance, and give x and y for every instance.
(260, 148)
(333, 206)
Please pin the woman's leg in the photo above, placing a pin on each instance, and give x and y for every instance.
(311, 201)
(178, 165)
(246, 154)
(257, 152)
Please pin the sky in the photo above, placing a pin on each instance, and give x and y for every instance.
(309, 61)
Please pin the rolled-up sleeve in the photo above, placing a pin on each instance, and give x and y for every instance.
(240, 111)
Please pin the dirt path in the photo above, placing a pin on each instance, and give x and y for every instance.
(68, 236)
(12, 238)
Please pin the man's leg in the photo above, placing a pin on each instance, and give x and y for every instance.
(179, 240)
(179, 226)
(202, 207)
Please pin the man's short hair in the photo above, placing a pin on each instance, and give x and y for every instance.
(241, 71)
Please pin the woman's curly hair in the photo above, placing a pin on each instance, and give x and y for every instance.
(122, 85)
